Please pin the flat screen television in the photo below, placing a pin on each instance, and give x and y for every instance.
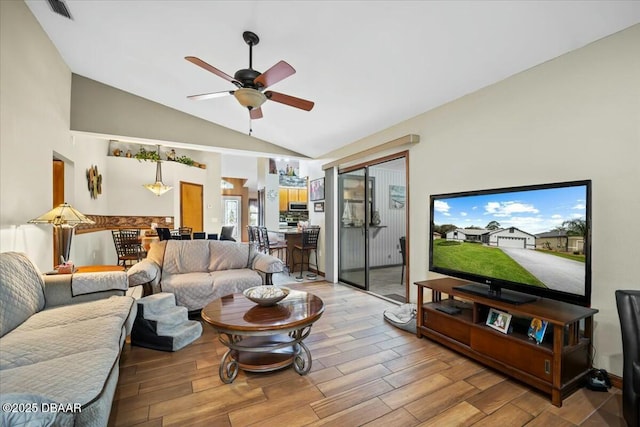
(516, 244)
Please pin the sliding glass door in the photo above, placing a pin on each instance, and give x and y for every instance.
(372, 210)
(354, 198)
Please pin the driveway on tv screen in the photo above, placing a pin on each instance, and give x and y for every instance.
(556, 273)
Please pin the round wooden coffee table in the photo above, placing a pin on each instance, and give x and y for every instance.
(263, 339)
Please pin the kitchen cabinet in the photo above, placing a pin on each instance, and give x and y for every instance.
(302, 195)
(284, 199)
(291, 195)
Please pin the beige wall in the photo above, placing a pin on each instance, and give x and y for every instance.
(34, 123)
(575, 117)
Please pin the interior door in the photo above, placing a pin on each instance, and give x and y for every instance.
(354, 209)
(58, 199)
(191, 206)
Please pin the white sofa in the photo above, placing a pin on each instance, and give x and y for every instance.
(60, 344)
(200, 271)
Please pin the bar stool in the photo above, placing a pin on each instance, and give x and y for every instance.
(271, 247)
(309, 243)
(403, 252)
(252, 231)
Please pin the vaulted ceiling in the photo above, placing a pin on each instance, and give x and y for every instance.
(366, 65)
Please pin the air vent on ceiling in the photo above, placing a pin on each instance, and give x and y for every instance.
(60, 8)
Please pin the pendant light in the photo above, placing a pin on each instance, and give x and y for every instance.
(158, 188)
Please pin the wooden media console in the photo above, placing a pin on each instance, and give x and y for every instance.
(557, 366)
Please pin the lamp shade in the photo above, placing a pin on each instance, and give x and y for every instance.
(250, 98)
(62, 215)
(158, 188)
(64, 218)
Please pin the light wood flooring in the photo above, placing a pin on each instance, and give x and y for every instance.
(365, 372)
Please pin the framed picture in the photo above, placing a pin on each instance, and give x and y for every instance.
(318, 207)
(397, 196)
(537, 329)
(316, 190)
(499, 320)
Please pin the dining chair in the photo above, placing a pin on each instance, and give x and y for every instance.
(183, 231)
(163, 233)
(227, 233)
(128, 246)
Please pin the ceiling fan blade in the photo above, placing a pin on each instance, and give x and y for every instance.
(211, 95)
(300, 103)
(200, 63)
(255, 113)
(273, 75)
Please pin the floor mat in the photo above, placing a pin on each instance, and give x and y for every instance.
(396, 297)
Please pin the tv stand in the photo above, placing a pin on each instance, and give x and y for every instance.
(495, 293)
(558, 366)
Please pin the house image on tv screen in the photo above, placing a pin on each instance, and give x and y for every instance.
(511, 237)
(560, 240)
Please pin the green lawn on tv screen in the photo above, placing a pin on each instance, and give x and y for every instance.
(482, 260)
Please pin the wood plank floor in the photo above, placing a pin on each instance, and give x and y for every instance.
(364, 372)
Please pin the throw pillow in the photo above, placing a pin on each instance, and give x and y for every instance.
(156, 252)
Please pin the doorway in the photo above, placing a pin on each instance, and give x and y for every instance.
(232, 210)
(373, 226)
(191, 206)
(58, 199)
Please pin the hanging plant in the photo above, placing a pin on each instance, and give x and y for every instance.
(147, 155)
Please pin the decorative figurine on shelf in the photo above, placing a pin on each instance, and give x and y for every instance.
(128, 155)
(171, 155)
(375, 219)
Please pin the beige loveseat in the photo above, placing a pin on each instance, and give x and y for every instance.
(60, 344)
(200, 271)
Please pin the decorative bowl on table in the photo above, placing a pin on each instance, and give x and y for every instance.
(266, 295)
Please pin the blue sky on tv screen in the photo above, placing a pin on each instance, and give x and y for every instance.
(534, 211)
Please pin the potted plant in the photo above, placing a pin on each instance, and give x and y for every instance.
(147, 155)
(185, 160)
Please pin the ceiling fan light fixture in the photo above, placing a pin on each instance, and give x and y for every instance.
(250, 98)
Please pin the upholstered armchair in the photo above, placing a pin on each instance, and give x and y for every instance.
(628, 303)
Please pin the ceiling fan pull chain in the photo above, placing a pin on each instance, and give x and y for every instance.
(250, 130)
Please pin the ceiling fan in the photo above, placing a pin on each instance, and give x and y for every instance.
(251, 83)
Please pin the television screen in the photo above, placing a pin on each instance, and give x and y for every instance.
(533, 239)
